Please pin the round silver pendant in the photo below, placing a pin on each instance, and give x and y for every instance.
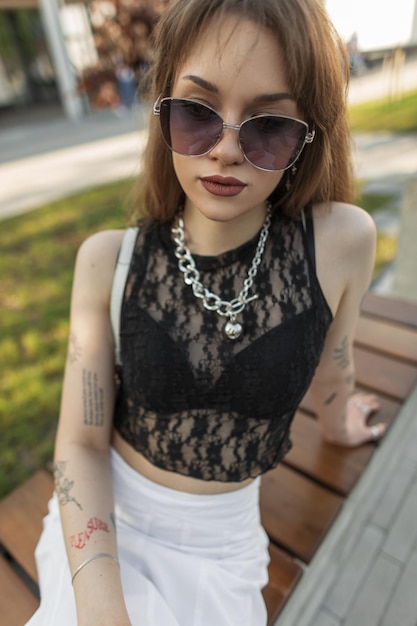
(232, 330)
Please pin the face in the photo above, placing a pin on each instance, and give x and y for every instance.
(237, 69)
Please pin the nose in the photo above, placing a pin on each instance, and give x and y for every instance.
(228, 149)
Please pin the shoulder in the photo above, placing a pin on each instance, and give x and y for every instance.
(102, 244)
(342, 229)
(345, 221)
(345, 239)
(96, 261)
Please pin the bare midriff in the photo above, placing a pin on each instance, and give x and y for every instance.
(170, 479)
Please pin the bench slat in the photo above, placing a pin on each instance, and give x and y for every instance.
(391, 309)
(383, 374)
(21, 514)
(284, 575)
(17, 602)
(296, 512)
(395, 340)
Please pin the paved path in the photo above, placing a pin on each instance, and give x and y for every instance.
(384, 80)
(50, 160)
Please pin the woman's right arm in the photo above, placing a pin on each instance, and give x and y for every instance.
(82, 469)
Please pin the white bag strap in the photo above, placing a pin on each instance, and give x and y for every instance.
(118, 286)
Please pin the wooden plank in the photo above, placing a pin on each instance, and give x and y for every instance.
(296, 512)
(398, 341)
(21, 515)
(284, 575)
(17, 603)
(391, 309)
(383, 374)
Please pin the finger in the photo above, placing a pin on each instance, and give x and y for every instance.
(364, 403)
(369, 398)
(376, 432)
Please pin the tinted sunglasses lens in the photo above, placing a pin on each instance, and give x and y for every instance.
(188, 127)
(272, 142)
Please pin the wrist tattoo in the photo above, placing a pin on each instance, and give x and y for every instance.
(63, 485)
(93, 399)
(94, 524)
(330, 399)
(341, 354)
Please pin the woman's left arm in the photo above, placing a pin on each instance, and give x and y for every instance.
(342, 413)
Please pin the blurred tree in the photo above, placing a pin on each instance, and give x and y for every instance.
(122, 30)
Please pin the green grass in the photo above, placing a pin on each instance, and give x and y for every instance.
(386, 251)
(390, 115)
(36, 265)
(372, 202)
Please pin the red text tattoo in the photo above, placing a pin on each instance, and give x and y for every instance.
(80, 540)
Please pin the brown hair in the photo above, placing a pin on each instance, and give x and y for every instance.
(317, 72)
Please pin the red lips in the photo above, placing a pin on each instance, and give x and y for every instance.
(222, 185)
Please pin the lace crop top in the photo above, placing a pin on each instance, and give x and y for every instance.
(193, 402)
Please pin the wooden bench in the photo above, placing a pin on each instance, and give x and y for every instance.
(300, 499)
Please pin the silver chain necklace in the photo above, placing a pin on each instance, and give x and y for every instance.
(232, 329)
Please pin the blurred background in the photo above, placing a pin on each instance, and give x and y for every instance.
(92, 54)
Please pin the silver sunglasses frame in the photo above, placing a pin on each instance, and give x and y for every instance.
(309, 137)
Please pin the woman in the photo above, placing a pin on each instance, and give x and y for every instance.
(245, 283)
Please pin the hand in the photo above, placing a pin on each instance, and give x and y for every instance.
(356, 431)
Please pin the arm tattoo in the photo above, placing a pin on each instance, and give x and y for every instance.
(341, 354)
(80, 540)
(63, 486)
(330, 399)
(93, 399)
(74, 349)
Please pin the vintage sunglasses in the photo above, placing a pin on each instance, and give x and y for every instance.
(269, 142)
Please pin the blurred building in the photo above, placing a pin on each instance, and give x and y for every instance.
(377, 26)
(67, 52)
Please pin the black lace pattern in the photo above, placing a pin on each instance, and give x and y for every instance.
(194, 402)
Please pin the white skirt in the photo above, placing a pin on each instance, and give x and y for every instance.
(185, 559)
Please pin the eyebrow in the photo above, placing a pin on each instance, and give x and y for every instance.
(267, 97)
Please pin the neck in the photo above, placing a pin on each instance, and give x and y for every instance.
(211, 237)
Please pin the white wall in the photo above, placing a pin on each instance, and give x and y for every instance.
(78, 36)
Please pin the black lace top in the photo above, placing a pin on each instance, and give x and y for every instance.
(191, 400)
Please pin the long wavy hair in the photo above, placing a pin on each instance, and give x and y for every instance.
(317, 71)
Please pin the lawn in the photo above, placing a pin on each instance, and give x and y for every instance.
(36, 264)
(387, 115)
